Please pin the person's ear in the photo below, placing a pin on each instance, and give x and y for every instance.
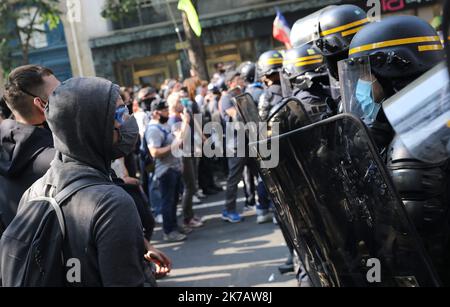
(38, 103)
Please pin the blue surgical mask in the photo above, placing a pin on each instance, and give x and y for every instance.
(365, 99)
(186, 102)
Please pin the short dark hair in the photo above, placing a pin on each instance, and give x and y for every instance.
(23, 83)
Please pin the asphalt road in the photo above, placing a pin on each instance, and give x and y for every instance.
(221, 254)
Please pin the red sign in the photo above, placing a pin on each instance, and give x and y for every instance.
(393, 5)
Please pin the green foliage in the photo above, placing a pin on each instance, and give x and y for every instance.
(114, 9)
(36, 12)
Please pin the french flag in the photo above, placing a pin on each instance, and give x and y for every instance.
(281, 30)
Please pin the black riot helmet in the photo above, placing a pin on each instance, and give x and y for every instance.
(331, 30)
(338, 25)
(300, 60)
(385, 57)
(270, 62)
(248, 71)
(399, 48)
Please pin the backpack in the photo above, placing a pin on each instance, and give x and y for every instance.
(31, 248)
(146, 156)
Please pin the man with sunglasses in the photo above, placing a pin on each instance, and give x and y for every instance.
(26, 143)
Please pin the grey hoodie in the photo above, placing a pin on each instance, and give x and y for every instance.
(103, 227)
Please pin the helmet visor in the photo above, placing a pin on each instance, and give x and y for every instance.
(286, 85)
(359, 91)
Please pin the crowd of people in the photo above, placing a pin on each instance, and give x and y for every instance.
(40, 149)
(53, 135)
(165, 117)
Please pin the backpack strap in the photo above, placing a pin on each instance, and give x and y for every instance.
(75, 187)
(166, 133)
(62, 196)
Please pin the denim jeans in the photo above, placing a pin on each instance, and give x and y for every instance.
(263, 197)
(154, 195)
(169, 186)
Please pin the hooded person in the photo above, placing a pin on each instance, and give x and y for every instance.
(104, 231)
(26, 145)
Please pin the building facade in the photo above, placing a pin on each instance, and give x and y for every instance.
(143, 48)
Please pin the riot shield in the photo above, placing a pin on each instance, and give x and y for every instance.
(247, 108)
(420, 115)
(290, 115)
(337, 202)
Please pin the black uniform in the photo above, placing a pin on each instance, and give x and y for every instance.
(256, 90)
(315, 101)
(272, 97)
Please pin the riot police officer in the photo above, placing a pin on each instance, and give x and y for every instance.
(304, 68)
(253, 86)
(384, 58)
(305, 74)
(331, 30)
(270, 64)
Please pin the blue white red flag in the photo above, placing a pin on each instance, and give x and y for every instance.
(281, 30)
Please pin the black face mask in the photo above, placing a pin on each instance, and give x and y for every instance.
(128, 136)
(147, 103)
(130, 108)
(163, 119)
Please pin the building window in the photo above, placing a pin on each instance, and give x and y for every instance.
(39, 36)
(157, 11)
(147, 12)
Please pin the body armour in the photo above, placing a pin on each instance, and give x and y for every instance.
(316, 102)
(424, 190)
(423, 187)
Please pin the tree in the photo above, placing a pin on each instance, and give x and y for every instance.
(116, 9)
(19, 21)
(196, 50)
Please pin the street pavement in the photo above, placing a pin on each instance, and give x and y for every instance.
(221, 254)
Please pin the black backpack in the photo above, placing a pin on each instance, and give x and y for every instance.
(31, 248)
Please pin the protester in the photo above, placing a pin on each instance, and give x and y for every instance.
(26, 142)
(235, 164)
(189, 177)
(161, 141)
(218, 79)
(103, 229)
